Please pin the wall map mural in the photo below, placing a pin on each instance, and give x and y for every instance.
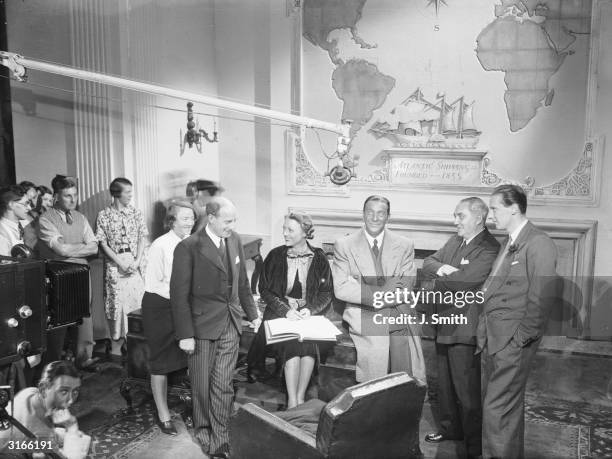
(496, 86)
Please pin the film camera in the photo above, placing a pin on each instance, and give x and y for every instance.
(36, 296)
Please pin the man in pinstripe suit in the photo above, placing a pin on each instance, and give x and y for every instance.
(207, 288)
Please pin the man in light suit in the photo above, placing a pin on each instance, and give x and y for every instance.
(518, 294)
(461, 265)
(371, 260)
(208, 286)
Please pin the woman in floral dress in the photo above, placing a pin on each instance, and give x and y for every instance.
(122, 233)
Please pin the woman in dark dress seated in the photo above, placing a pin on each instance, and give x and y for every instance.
(295, 283)
(165, 355)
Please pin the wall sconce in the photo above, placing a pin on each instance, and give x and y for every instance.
(194, 134)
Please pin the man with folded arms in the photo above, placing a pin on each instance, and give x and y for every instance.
(65, 234)
(461, 265)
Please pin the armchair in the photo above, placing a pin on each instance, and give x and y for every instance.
(376, 419)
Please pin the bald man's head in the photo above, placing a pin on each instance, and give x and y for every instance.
(221, 216)
(217, 203)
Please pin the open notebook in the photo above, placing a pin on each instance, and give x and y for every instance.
(315, 328)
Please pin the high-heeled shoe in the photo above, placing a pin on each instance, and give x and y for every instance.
(167, 427)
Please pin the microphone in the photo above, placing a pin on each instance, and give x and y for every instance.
(340, 175)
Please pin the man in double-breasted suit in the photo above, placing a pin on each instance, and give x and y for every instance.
(208, 286)
(371, 260)
(460, 266)
(518, 294)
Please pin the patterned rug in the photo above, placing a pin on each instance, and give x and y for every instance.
(547, 439)
(596, 418)
(127, 434)
(102, 412)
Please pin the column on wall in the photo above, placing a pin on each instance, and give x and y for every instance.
(139, 60)
(94, 149)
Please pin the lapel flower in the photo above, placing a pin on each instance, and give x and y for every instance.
(513, 248)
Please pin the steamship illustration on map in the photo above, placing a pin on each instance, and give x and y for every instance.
(419, 123)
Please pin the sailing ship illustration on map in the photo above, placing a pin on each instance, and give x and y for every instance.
(420, 123)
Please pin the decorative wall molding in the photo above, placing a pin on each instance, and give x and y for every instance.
(302, 176)
(575, 240)
(491, 179)
(580, 185)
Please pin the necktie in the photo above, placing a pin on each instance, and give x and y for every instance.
(222, 249)
(375, 248)
(21, 231)
(454, 260)
(69, 217)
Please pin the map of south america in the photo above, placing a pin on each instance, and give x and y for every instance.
(362, 88)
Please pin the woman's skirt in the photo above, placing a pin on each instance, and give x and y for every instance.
(289, 349)
(165, 356)
(122, 295)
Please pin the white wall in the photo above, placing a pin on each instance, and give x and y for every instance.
(42, 117)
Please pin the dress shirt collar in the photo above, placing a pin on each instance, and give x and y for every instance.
(467, 241)
(378, 238)
(62, 212)
(216, 239)
(515, 234)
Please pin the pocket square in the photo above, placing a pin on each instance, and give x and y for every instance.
(237, 260)
(465, 261)
(514, 263)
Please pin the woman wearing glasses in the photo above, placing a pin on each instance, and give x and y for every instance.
(14, 207)
(121, 232)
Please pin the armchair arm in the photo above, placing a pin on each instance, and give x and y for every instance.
(256, 433)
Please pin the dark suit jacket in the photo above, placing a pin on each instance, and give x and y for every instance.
(198, 288)
(478, 257)
(518, 298)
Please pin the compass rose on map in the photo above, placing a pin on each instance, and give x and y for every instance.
(437, 4)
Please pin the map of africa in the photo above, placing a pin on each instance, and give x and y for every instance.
(528, 40)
